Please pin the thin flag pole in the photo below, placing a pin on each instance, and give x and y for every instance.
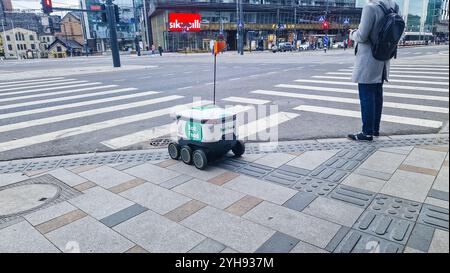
(215, 73)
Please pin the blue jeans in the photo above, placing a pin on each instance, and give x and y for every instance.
(371, 97)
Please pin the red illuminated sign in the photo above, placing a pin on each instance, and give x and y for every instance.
(190, 22)
(96, 7)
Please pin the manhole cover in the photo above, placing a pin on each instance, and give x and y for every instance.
(160, 142)
(19, 199)
(26, 197)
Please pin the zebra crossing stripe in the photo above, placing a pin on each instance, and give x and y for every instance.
(87, 113)
(356, 114)
(396, 76)
(390, 80)
(254, 127)
(34, 80)
(74, 131)
(37, 102)
(33, 84)
(54, 93)
(389, 86)
(78, 104)
(405, 106)
(169, 129)
(246, 100)
(395, 70)
(22, 91)
(416, 66)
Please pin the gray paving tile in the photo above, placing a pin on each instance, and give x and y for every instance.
(342, 163)
(329, 174)
(373, 174)
(156, 198)
(441, 182)
(440, 242)
(278, 243)
(44, 215)
(230, 164)
(106, 177)
(442, 195)
(300, 201)
(408, 185)
(255, 170)
(284, 178)
(209, 193)
(152, 173)
(11, 178)
(172, 183)
(437, 202)
(294, 170)
(434, 216)
(405, 150)
(397, 207)
(340, 235)
(189, 170)
(261, 189)
(421, 238)
(100, 203)
(156, 233)
(274, 160)
(353, 196)
(87, 235)
(123, 215)
(208, 246)
(303, 247)
(67, 177)
(23, 238)
(364, 182)
(359, 242)
(334, 211)
(315, 186)
(236, 232)
(383, 162)
(390, 228)
(311, 160)
(425, 159)
(299, 225)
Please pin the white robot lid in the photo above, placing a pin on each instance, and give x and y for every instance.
(205, 113)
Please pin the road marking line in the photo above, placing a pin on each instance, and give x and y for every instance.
(97, 111)
(78, 104)
(34, 84)
(16, 105)
(234, 79)
(252, 128)
(354, 91)
(408, 72)
(420, 65)
(69, 132)
(414, 107)
(29, 81)
(254, 76)
(155, 132)
(390, 86)
(390, 80)
(183, 88)
(53, 93)
(56, 87)
(356, 114)
(246, 100)
(395, 76)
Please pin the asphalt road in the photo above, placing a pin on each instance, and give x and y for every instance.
(79, 105)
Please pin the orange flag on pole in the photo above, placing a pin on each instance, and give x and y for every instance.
(219, 46)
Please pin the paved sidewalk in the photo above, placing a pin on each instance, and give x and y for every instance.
(306, 196)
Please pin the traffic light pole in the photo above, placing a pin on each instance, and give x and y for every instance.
(110, 14)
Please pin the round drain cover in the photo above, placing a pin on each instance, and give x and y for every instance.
(26, 197)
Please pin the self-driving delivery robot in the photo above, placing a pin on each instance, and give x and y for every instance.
(206, 133)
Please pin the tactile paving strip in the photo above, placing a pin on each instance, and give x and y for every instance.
(397, 207)
(315, 186)
(354, 196)
(385, 226)
(434, 216)
(359, 242)
(64, 193)
(255, 170)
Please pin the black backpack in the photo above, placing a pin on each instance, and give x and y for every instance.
(390, 31)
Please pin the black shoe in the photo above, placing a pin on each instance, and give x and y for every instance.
(360, 137)
(376, 134)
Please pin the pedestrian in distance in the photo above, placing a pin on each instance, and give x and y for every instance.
(160, 50)
(372, 66)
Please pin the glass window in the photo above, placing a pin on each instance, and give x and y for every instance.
(33, 46)
(10, 47)
(8, 38)
(31, 38)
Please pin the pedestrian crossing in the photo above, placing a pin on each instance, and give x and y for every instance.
(56, 108)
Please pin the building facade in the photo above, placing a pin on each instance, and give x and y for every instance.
(20, 43)
(71, 28)
(265, 22)
(7, 5)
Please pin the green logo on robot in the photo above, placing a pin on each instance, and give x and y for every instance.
(194, 131)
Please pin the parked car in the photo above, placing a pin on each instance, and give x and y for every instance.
(283, 47)
(303, 47)
(338, 45)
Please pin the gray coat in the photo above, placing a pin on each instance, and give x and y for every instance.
(367, 69)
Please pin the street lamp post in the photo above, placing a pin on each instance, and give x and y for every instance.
(110, 13)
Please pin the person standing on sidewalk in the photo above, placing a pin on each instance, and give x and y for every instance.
(370, 73)
(160, 50)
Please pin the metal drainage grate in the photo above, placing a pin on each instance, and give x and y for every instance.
(63, 193)
(160, 142)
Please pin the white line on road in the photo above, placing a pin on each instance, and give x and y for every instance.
(390, 86)
(184, 88)
(246, 100)
(53, 93)
(55, 87)
(252, 128)
(408, 72)
(356, 114)
(390, 80)
(79, 104)
(234, 79)
(33, 80)
(414, 107)
(57, 135)
(395, 76)
(420, 65)
(34, 84)
(29, 103)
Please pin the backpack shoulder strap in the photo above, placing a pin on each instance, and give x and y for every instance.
(383, 7)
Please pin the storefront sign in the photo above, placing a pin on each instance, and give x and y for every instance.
(189, 22)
